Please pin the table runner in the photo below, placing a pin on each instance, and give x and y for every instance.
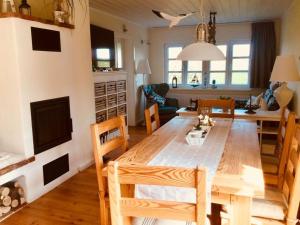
(178, 153)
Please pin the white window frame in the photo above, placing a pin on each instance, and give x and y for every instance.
(230, 57)
(206, 66)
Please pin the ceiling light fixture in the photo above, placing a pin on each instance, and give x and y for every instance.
(201, 50)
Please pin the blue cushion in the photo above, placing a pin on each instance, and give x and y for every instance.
(159, 99)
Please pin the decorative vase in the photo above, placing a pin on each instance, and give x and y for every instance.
(59, 16)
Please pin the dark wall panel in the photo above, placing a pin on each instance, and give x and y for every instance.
(45, 40)
(56, 168)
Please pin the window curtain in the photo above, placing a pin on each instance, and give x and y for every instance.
(263, 54)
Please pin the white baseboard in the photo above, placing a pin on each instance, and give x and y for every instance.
(86, 165)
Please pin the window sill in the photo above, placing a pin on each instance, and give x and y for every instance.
(217, 91)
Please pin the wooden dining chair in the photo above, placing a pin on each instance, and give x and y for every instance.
(226, 107)
(152, 119)
(274, 165)
(124, 208)
(102, 145)
(280, 205)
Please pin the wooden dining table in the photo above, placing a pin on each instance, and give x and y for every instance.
(239, 175)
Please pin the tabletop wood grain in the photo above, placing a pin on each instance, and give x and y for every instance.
(239, 171)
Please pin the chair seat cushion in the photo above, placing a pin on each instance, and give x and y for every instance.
(167, 110)
(270, 159)
(272, 206)
(270, 164)
(153, 221)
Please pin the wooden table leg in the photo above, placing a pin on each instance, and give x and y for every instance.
(241, 210)
(127, 190)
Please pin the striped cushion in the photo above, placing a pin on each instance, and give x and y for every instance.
(152, 221)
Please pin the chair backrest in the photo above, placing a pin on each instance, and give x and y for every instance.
(287, 129)
(282, 126)
(152, 118)
(291, 184)
(105, 142)
(226, 105)
(122, 207)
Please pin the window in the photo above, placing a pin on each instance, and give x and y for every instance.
(174, 66)
(194, 72)
(103, 57)
(240, 64)
(218, 68)
(232, 72)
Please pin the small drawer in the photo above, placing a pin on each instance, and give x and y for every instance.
(121, 98)
(100, 89)
(101, 116)
(121, 85)
(111, 100)
(111, 87)
(100, 103)
(112, 113)
(122, 110)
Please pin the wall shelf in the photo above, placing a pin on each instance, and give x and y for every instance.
(36, 19)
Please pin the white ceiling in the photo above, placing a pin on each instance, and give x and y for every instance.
(139, 11)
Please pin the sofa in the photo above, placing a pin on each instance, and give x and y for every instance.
(167, 110)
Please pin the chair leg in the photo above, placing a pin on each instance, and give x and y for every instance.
(104, 211)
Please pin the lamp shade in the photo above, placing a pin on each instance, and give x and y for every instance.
(201, 51)
(143, 67)
(285, 69)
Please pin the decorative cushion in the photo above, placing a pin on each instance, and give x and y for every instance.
(258, 98)
(267, 95)
(263, 104)
(274, 85)
(272, 104)
(159, 99)
(283, 95)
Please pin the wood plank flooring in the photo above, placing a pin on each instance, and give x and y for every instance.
(73, 202)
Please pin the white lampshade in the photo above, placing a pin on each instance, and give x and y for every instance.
(201, 51)
(143, 67)
(285, 69)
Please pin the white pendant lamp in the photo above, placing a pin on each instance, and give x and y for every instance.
(201, 50)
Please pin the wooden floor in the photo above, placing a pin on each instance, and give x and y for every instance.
(73, 202)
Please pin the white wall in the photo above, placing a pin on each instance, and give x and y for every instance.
(31, 76)
(185, 35)
(134, 51)
(290, 44)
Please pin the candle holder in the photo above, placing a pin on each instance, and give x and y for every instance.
(250, 110)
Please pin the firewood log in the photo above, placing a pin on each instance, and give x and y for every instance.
(15, 203)
(21, 192)
(22, 201)
(5, 201)
(4, 191)
(5, 209)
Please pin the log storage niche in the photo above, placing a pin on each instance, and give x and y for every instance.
(12, 198)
